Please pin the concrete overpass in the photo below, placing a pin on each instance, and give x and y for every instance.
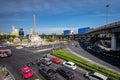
(109, 31)
(113, 29)
(109, 28)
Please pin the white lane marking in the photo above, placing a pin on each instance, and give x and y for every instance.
(43, 50)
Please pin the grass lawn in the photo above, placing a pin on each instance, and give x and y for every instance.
(85, 64)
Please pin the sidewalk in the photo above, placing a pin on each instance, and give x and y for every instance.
(6, 75)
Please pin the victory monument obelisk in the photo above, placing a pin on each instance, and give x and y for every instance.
(34, 27)
(35, 38)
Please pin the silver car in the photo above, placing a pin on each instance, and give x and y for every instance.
(45, 61)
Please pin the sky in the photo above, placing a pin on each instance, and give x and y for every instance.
(54, 16)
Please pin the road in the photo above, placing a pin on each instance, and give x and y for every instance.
(24, 56)
(106, 61)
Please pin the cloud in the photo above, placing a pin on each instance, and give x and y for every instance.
(56, 6)
(11, 19)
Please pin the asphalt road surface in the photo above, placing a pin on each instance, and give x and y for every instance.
(113, 63)
(24, 56)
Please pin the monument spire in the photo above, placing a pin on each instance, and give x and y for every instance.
(35, 38)
(34, 28)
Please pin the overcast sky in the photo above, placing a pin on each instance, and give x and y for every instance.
(54, 16)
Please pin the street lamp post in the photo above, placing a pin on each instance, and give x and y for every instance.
(107, 14)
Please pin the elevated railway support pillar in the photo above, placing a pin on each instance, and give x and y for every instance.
(115, 43)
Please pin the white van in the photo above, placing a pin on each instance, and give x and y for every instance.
(95, 76)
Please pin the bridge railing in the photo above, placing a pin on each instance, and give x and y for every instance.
(108, 26)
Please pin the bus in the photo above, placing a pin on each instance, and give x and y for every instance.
(5, 53)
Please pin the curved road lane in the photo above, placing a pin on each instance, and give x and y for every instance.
(94, 59)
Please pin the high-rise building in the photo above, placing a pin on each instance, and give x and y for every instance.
(21, 32)
(14, 31)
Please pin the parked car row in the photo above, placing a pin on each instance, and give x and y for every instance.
(48, 61)
(67, 73)
(66, 70)
(50, 74)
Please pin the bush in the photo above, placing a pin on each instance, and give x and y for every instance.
(85, 64)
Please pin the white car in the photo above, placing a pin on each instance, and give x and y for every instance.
(19, 47)
(95, 76)
(27, 46)
(69, 65)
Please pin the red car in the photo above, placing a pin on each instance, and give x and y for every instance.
(56, 60)
(26, 72)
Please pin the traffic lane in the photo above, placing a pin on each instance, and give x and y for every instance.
(43, 47)
(31, 58)
(13, 61)
(78, 73)
(19, 58)
(33, 50)
(12, 68)
(104, 57)
(88, 55)
(24, 57)
(35, 68)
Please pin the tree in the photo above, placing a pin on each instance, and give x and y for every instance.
(53, 37)
(10, 39)
(43, 35)
(17, 41)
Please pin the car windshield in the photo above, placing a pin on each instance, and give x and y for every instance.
(93, 77)
(68, 64)
(50, 72)
(46, 59)
(67, 71)
(91, 73)
(27, 71)
(70, 73)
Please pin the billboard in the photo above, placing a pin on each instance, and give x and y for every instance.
(66, 32)
(83, 30)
